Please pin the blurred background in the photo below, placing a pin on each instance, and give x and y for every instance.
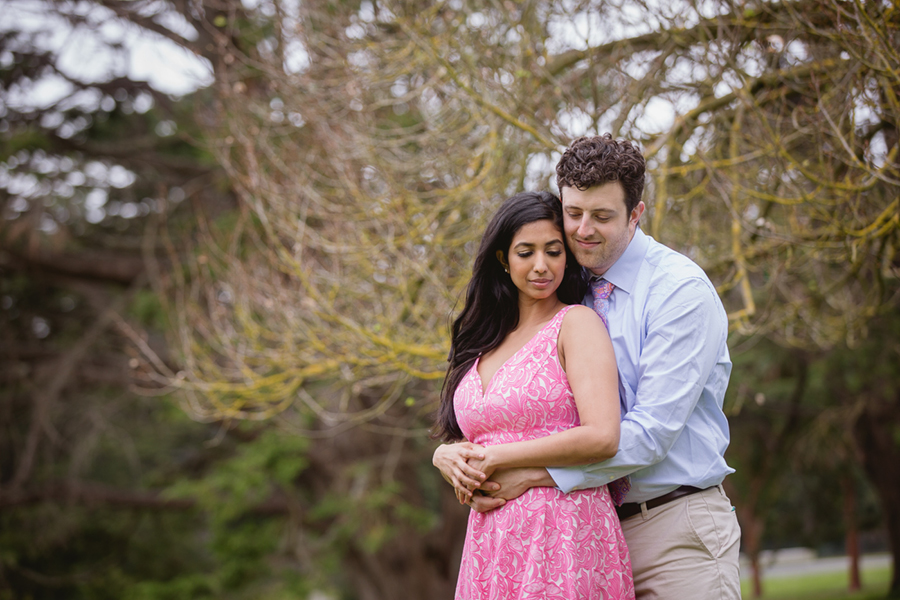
(234, 234)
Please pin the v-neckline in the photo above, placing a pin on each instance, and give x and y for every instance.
(481, 385)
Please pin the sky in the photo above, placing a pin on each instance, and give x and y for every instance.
(86, 52)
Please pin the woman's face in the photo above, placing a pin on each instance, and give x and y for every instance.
(537, 259)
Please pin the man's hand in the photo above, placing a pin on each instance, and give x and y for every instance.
(506, 484)
(451, 461)
(484, 504)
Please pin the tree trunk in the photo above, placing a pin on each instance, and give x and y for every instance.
(852, 533)
(756, 575)
(751, 538)
(874, 435)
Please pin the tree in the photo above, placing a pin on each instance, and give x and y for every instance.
(83, 457)
(798, 480)
(766, 417)
(863, 380)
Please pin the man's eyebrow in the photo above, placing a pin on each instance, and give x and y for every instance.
(596, 210)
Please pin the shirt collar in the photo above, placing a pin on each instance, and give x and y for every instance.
(625, 270)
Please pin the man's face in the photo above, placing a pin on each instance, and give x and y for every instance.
(597, 225)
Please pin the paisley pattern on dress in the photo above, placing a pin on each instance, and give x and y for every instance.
(544, 544)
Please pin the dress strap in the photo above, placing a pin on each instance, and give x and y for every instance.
(552, 329)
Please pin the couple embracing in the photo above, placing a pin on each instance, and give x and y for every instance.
(589, 438)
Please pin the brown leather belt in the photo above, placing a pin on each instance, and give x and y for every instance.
(632, 508)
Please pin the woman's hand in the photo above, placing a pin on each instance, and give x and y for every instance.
(452, 460)
(484, 465)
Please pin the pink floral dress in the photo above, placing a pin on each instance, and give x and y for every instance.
(544, 544)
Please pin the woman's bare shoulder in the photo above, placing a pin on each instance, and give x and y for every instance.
(580, 314)
(581, 320)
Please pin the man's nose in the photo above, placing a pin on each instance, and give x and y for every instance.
(584, 227)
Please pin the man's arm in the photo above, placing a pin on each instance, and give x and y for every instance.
(681, 348)
(506, 484)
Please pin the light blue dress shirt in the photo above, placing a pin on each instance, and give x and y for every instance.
(669, 331)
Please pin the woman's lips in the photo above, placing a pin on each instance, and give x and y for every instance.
(541, 283)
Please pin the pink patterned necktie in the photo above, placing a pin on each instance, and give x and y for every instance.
(601, 290)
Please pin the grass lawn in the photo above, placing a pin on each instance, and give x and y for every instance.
(823, 586)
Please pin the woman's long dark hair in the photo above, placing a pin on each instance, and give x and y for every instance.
(492, 300)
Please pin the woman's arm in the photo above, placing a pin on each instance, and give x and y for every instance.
(586, 354)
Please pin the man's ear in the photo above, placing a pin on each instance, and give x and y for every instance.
(502, 261)
(636, 213)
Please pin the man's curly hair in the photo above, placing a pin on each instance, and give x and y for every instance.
(592, 161)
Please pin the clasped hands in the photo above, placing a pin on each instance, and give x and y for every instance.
(467, 467)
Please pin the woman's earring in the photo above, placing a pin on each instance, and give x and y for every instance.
(506, 269)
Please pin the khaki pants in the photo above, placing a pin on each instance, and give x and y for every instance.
(687, 548)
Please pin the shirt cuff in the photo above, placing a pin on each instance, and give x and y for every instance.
(567, 479)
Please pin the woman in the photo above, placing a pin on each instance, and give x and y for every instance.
(532, 381)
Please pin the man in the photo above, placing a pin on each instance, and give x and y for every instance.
(669, 330)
